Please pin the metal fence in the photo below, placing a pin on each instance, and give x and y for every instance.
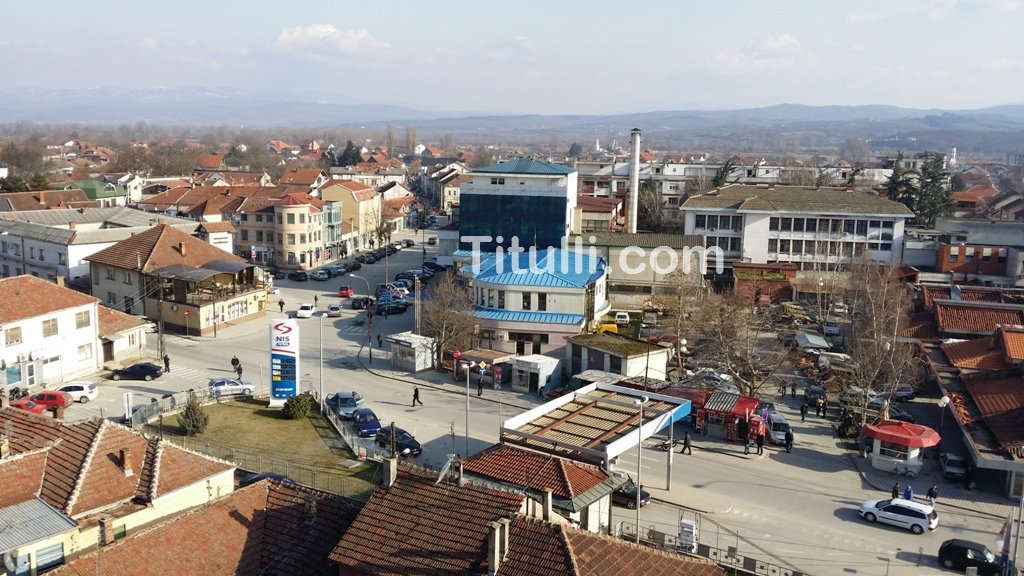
(362, 448)
(143, 414)
(728, 558)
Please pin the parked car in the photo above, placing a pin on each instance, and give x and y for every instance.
(298, 276)
(224, 386)
(344, 404)
(81, 392)
(622, 318)
(141, 371)
(344, 291)
(305, 311)
(391, 307)
(856, 395)
(432, 240)
(336, 270)
(408, 243)
(953, 466)
(278, 274)
(903, 394)
(362, 302)
(777, 427)
(433, 266)
(422, 273)
(366, 422)
(405, 283)
(626, 496)
(334, 311)
(361, 259)
(28, 405)
(405, 443)
(915, 516)
(319, 275)
(353, 266)
(960, 555)
(51, 398)
(813, 392)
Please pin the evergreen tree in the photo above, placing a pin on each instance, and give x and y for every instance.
(722, 174)
(575, 150)
(38, 182)
(901, 187)
(13, 183)
(934, 198)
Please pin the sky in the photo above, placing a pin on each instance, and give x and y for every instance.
(553, 57)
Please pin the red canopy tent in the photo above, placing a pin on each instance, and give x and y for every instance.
(902, 434)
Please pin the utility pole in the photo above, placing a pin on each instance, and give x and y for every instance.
(416, 304)
(321, 363)
(639, 459)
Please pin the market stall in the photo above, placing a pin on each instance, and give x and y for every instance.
(724, 411)
(896, 446)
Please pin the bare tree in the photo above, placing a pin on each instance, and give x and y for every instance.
(410, 139)
(650, 206)
(680, 301)
(448, 314)
(389, 140)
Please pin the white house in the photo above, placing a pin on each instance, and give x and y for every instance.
(616, 354)
(49, 333)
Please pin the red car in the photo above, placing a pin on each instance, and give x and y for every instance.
(52, 398)
(344, 292)
(28, 405)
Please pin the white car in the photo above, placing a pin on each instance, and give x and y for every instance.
(81, 392)
(305, 311)
(915, 516)
(222, 386)
(334, 311)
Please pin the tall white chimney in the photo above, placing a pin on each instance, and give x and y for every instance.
(634, 178)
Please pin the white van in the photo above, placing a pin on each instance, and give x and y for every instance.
(622, 318)
(777, 427)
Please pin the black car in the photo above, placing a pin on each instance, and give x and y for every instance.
(391, 307)
(361, 259)
(278, 274)
(298, 276)
(626, 496)
(433, 267)
(408, 243)
(390, 249)
(141, 371)
(362, 302)
(959, 555)
(370, 258)
(334, 271)
(405, 444)
(353, 266)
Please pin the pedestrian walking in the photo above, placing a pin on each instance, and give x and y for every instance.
(479, 387)
(760, 444)
(280, 304)
(817, 408)
(933, 493)
(969, 477)
(235, 362)
(896, 490)
(824, 408)
(908, 492)
(380, 340)
(316, 300)
(803, 412)
(167, 363)
(746, 444)
(238, 370)
(789, 441)
(416, 397)
(686, 444)
(792, 390)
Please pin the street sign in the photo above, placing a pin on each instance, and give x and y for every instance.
(284, 361)
(186, 312)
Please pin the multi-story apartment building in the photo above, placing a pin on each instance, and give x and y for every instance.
(361, 208)
(810, 227)
(286, 232)
(980, 250)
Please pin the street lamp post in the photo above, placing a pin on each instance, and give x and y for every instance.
(639, 456)
(943, 402)
(321, 363)
(369, 318)
(467, 366)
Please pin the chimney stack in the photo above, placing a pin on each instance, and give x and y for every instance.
(71, 225)
(390, 472)
(107, 530)
(181, 248)
(634, 178)
(5, 400)
(547, 506)
(494, 554)
(42, 197)
(5, 445)
(126, 465)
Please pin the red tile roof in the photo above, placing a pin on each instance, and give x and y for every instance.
(932, 292)
(21, 476)
(158, 247)
(210, 161)
(596, 555)
(975, 194)
(1013, 343)
(540, 472)
(102, 480)
(300, 176)
(418, 526)
(113, 322)
(214, 227)
(977, 354)
(921, 326)
(25, 296)
(45, 199)
(1001, 404)
(361, 192)
(980, 318)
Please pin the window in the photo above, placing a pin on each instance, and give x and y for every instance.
(12, 337)
(735, 244)
(127, 278)
(490, 298)
(32, 252)
(111, 299)
(133, 339)
(786, 224)
(849, 226)
(291, 239)
(280, 238)
(129, 303)
(245, 217)
(887, 224)
(615, 364)
(526, 300)
(1001, 257)
(773, 223)
(84, 352)
(62, 259)
(49, 327)
(542, 301)
(498, 181)
(773, 245)
(811, 225)
(302, 238)
(302, 218)
(701, 221)
(245, 234)
(712, 222)
(7, 270)
(95, 273)
(42, 255)
(259, 217)
(862, 227)
(893, 451)
(798, 224)
(798, 246)
(280, 219)
(120, 531)
(784, 246)
(291, 218)
(110, 274)
(986, 254)
(259, 236)
(501, 299)
(82, 319)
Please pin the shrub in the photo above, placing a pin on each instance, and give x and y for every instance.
(193, 418)
(299, 406)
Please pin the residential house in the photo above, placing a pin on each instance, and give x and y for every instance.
(450, 189)
(177, 279)
(204, 177)
(131, 182)
(54, 244)
(122, 336)
(394, 191)
(311, 178)
(219, 234)
(973, 201)
(49, 332)
(361, 208)
(597, 214)
(436, 174)
(107, 194)
(90, 483)
(994, 234)
(45, 200)
(212, 161)
(616, 354)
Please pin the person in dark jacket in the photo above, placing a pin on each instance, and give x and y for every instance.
(803, 412)
(686, 444)
(789, 440)
(167, 363)
(760, 444)
(896, 490)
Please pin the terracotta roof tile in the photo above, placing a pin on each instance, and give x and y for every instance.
(1013, 343)
(1001, 404)
(159, 247)
(113, 322)
(536, 548)
(21, 476)
(44, 199)
(977, 354)
(540, 472)
(210, 161)
(596, 555)
(981, 318)
(360, 191)
(976, 194)
(417, 526)
(176, 468)
(300, 176)
(102, 480)
(921, 326)
(214, 227)
(26, 296)
(932, 293)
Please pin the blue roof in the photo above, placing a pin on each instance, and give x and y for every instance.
(527, 316)
(526, 166)
(555, 268)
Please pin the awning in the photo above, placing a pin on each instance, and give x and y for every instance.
(729, 403)
(811, 341)
(902, 434)
(228, 266)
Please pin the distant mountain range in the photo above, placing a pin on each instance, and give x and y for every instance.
(781, 128)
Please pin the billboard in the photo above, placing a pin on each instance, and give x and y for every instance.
(284, 361)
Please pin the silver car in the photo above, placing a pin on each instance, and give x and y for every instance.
(223, 386)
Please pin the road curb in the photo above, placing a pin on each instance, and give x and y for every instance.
(359, 358)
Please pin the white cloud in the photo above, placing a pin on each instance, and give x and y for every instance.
(940, 9)
(328, 37)
(780, 43)
(773, 52)
(1006, 5)
(519, 48)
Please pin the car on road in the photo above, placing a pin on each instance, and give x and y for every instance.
(366, 422)
(336, 270)
(622, 318)
(278, 274)
(141, 371)
(51, 398)
(344, 291)
(361, 302)
(914, 516)
(28, 405)
(391, 307)
(953, 466)
(856, 395)
(903, 394)
(626, 496)
(405, 443)
(408, 243)
(959, 555)
(319, 275)
(224, 386)
(305, 311)
(82, 392)
(353, 266)
(777, 427)
(334, 311)
(298, 276)
(433, 267)
(344, 404)
(432, 240)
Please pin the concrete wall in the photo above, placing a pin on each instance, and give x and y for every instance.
(56, 358)
(112, 285)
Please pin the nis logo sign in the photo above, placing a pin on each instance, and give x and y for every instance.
(282, 335)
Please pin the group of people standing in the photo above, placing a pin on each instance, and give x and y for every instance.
(908, 493)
